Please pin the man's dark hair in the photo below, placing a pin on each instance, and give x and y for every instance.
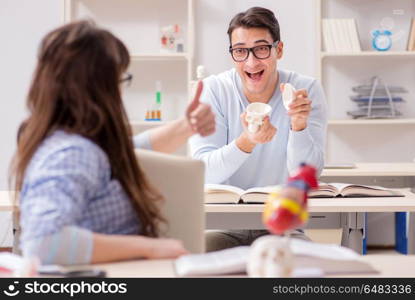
(256, 17)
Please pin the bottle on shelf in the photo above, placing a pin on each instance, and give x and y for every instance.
(200, 74)
(153, 112)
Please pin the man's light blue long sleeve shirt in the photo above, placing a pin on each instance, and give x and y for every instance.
(270, 163)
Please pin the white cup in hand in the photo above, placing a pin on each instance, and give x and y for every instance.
(255, 114)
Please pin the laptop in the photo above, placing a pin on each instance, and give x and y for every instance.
(181, 182)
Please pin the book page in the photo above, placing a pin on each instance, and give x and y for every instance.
(258, 194)
(216, 188)
(228, 261)
(327, 251)
(262, 190)
(368, 190)
(339, 187)
(329, 258)
(324, 190)
(335, 189)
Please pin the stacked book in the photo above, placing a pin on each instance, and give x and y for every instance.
(340, 35)
(376, 100)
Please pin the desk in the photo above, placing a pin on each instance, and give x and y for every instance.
(388, 263)
(247, 216)
(371, 204)
(390, 175)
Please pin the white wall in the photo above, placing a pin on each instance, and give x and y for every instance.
(22, 25)
(297, 26)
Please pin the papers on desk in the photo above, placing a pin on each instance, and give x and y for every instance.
(12, 265)
(9, 264)
(311, 259)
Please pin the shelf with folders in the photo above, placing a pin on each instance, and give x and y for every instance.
(377, 100)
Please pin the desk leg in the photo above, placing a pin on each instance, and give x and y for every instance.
(16, 233)
(354, 229)
(411, 224)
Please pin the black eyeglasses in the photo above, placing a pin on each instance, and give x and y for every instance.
(127, 78)
(260, 52)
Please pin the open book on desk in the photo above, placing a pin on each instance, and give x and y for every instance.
(222, 193)
(345, 190)
(227, 194)
(329, 259)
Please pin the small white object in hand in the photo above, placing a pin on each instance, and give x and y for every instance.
(255, 114)
(288, 95)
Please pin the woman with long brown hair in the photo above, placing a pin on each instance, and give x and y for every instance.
(83, 196)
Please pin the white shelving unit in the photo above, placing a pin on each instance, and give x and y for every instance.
(358, 140)
(137, 23)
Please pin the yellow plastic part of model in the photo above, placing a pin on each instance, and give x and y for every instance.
(275, 201)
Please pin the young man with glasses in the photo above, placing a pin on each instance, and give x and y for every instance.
(237, 157)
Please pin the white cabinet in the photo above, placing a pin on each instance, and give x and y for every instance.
(374, 140)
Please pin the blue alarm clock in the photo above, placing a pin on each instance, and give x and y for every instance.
(381, 40)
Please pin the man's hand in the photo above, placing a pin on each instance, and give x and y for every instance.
(247, 140)
(199, 115)
(299, 110)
